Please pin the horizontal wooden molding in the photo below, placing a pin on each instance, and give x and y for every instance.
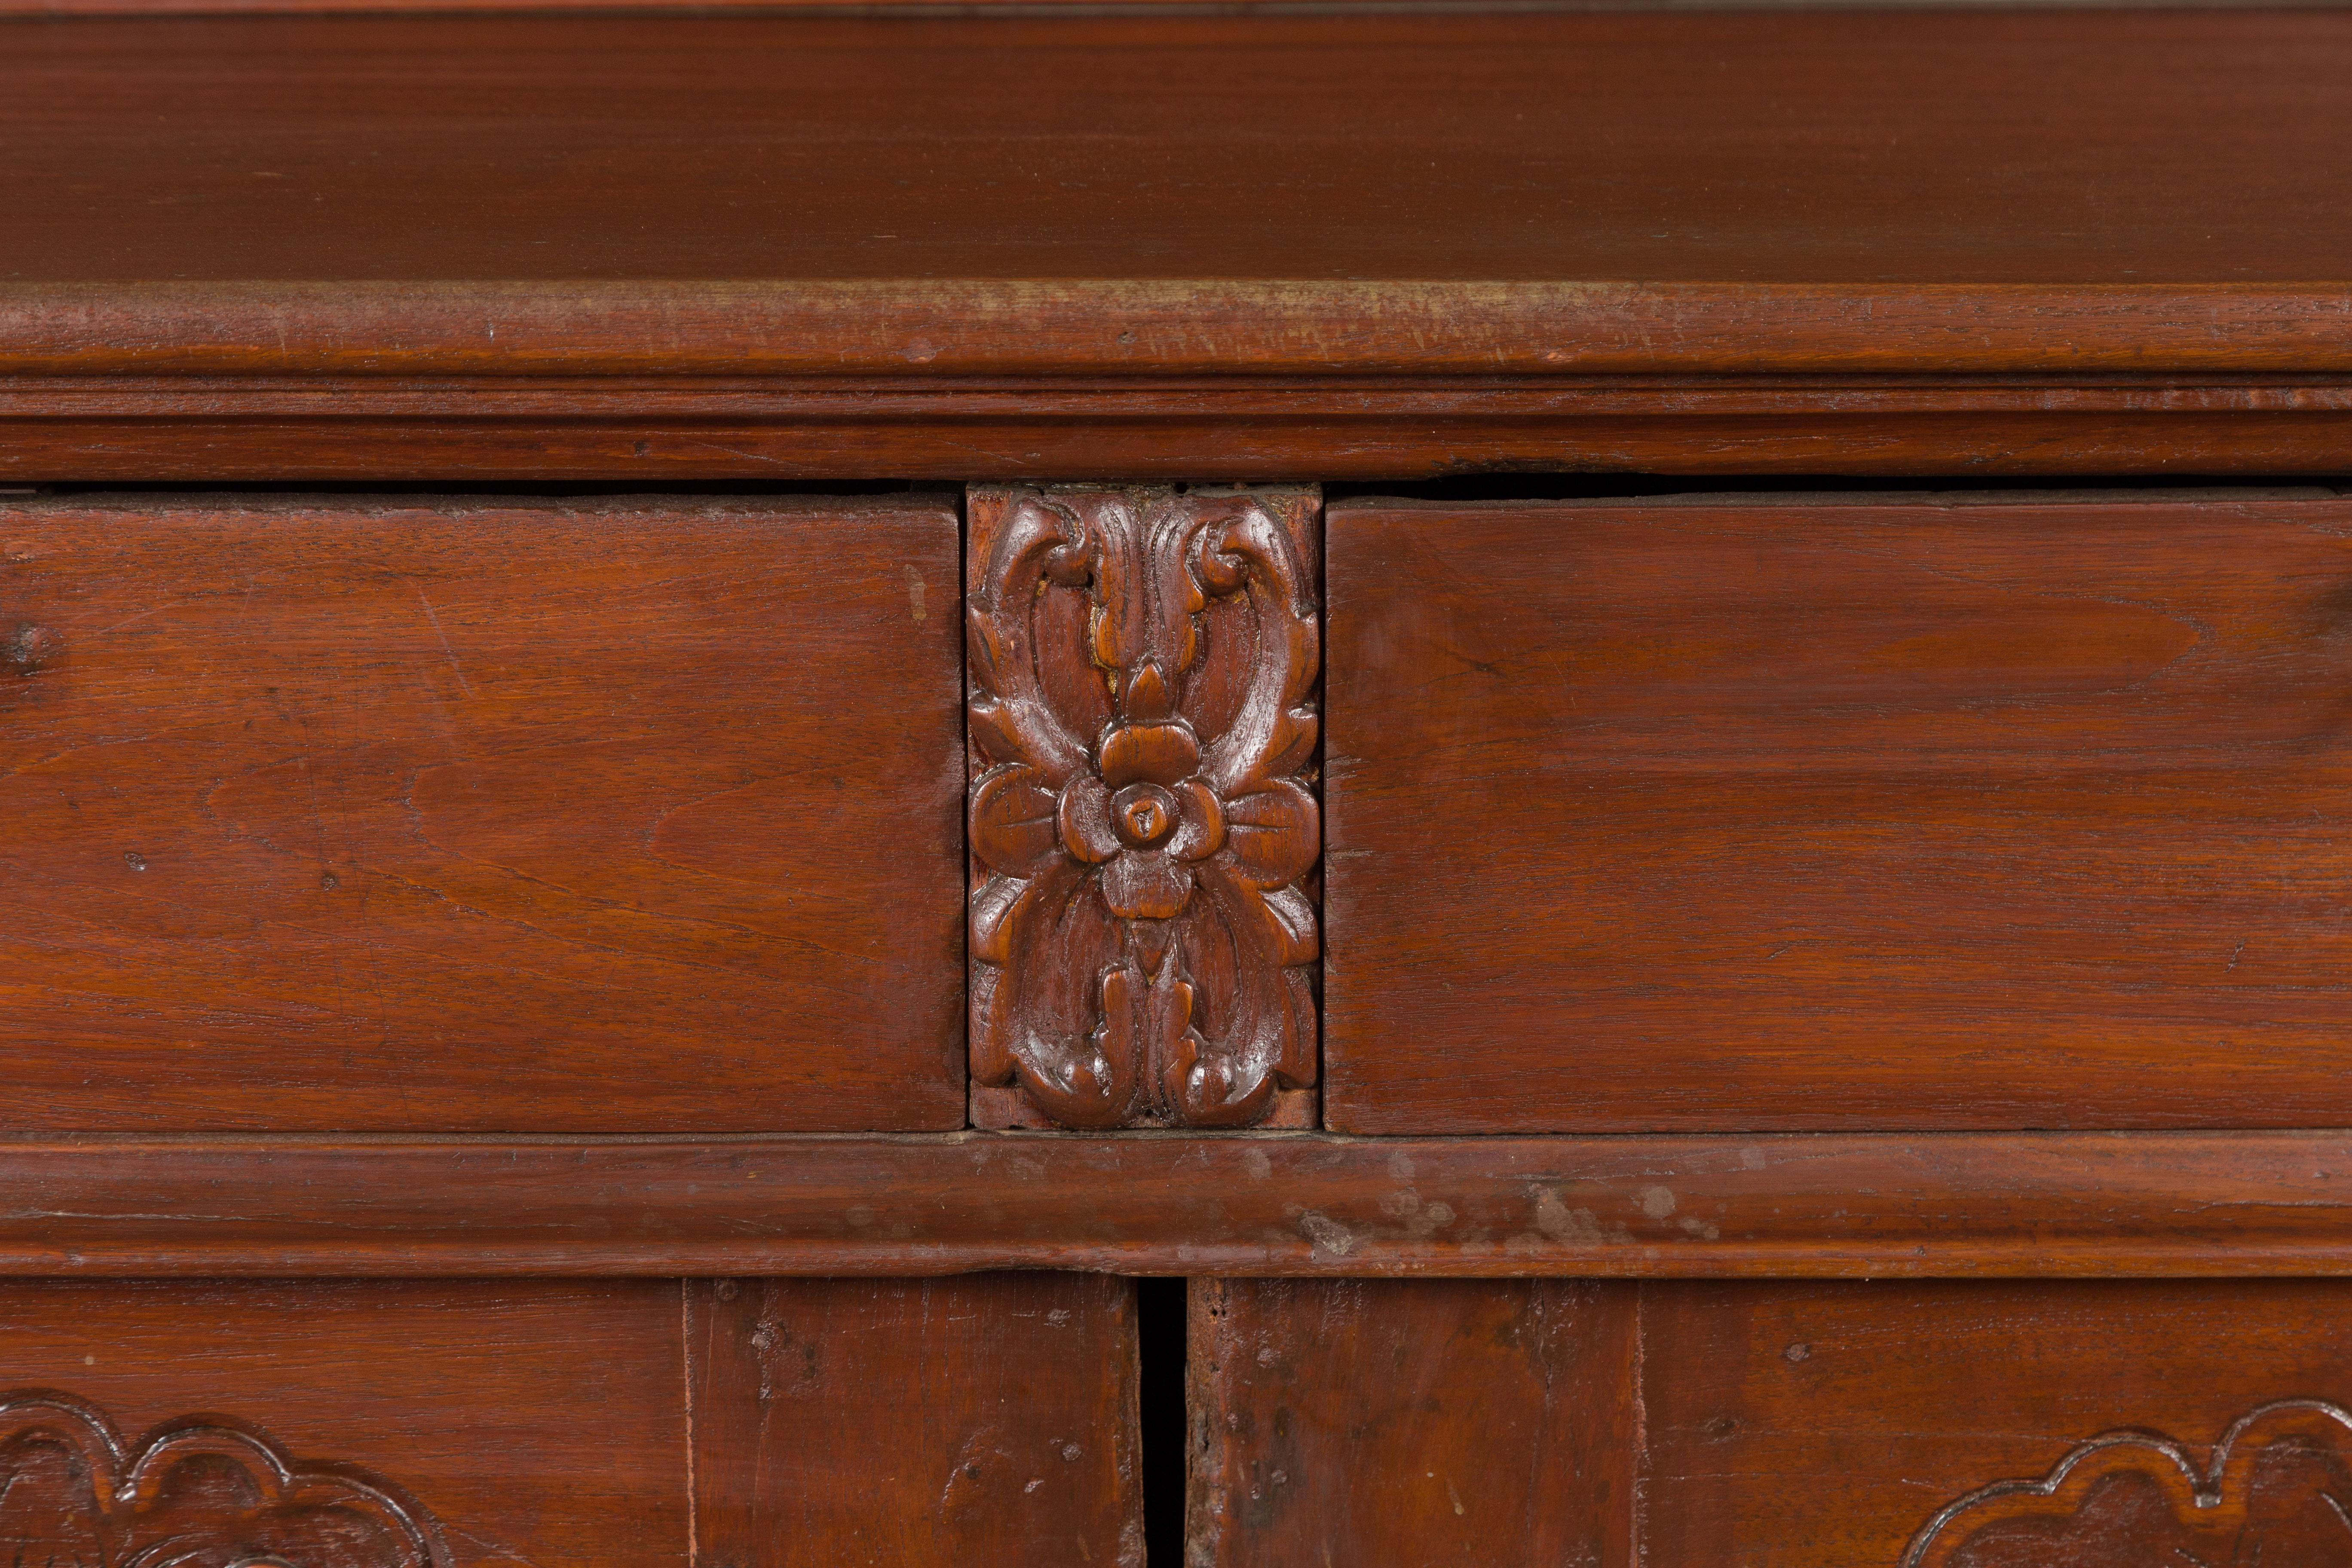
(652, 430)
(1954, 1205)
(1166, 326)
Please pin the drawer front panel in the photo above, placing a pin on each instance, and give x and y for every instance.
(1811, 816)
(590, 816)
(1952, 1424)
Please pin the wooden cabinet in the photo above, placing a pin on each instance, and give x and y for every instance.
(1116, 786)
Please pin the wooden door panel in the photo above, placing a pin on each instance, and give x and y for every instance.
(1821, 1426)
(1941, 1424)
(1824, 814)
(983, 1422)
(1441, 1421)
(385, 1424)
(585, 815)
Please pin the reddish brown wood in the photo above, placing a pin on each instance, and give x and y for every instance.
(466, 432)
(636, 7)
(201, 1488)
(584, 815)
(382, 328)
(1736, 814)
(2149, 1205)
(1689, 1425)
(1792, 1424)
(1370, 1421)
(2273, 1489)
(430, 1423)
(457, 248)
(953, 1423)
(1857, 178)
(1144, 671)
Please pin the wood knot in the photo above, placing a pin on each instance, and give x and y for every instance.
(24, 646)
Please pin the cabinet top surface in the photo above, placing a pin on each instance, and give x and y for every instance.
(1732, 190)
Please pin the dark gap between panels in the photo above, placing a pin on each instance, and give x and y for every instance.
(1160, 1341)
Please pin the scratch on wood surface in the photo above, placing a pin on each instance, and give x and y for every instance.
(450, 653)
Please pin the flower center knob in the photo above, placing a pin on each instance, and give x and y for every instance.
(1143, 814)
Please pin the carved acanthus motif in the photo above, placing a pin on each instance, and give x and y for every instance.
(2277, 1489)
(1144, 666)
(194, 1493)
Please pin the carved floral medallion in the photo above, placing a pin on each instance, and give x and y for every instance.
(199, 1493)
(2277, 1490)
(1142, 716)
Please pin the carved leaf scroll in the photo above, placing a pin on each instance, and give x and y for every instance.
(2277, 1489)
(1143, 721)
(199, 1493)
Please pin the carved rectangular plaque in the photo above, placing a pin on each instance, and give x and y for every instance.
(595, 815)
(1143, 715)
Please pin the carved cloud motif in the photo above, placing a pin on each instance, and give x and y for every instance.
(1144, 663)
(194, 1493)
(2277, 1490)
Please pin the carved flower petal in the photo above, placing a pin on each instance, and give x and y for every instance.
(1086, 831)
(1146, 885)
(1300, 941)
(990, 919)
(1156, 753)
(1275, 833)
(1201, 825)
(1012, 825)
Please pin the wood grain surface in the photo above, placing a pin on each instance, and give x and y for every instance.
(481, 815)
(1813, 1426)
(1452, 1421)
(2148, 1205)
(453, 249)
(414, 1424)
(1843, 173)
(948, 1422)
(1944, 813)
(647, 430)
(536, 1421)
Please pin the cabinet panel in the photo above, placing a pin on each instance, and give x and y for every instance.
(981, 1422)
(1928, 814)
(344, 1425)
(1817, 1426)
(1945, 1425)
(1446, 1421)
(966, 1423)
(593, 816)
